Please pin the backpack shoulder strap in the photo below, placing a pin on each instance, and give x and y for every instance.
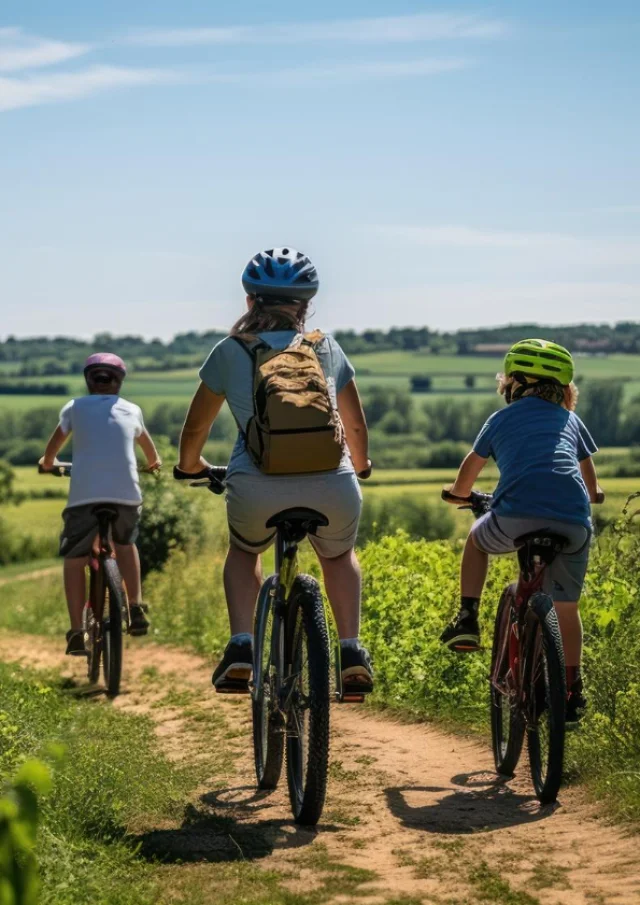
(312, 339)
(250, 344)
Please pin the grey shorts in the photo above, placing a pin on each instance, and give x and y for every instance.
(564, 578)
(253, 499)
(81, 526)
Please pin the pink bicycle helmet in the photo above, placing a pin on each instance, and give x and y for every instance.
(105, 360)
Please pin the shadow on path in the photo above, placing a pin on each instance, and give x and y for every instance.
(482, 803)
(226, 826)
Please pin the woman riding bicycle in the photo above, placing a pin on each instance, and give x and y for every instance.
(547, 480)
(280, 284)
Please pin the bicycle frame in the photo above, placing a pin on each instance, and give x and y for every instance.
(286, 563)
(527, 585)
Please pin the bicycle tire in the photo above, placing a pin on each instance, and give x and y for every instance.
(94, 628)
(268, 724)
(113, 618)
(507, 723)
(545, 675)
(307, 710)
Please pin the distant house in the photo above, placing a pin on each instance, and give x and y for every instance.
(491, 349)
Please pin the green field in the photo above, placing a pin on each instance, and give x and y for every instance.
(390, 369)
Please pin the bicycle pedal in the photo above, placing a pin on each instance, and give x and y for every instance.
(352, 698)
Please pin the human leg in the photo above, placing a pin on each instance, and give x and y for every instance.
(75, 588)
(343, 584)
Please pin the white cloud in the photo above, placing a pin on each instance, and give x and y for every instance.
(375, 69)
(64, 86)
(384, 29)
(19, 50)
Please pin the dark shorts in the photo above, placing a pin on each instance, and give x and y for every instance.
(564, 578)
(81, 527)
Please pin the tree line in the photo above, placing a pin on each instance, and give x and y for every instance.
(52, 356)
(406, 432)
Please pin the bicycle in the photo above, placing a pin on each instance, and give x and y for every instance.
(528, 689)
(290, 690)
(106, 613)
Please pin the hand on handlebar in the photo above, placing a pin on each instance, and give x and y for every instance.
(479, 503)
(365, 472)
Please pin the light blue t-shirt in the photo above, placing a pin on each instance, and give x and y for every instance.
(538, 447)
(228, 371)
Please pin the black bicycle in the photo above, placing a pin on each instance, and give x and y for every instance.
(291, 688)
(106, 613)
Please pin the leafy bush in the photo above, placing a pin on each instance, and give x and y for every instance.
(19, 818)
(171, 519)
(411, 590)
(385, 514)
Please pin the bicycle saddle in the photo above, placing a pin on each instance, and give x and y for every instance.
(545, 544)
(104, 510)
(298, 521)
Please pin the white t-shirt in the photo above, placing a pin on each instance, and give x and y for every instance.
(105, 430)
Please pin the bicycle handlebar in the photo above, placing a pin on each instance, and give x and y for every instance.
(212, 478)
(479, 503)
(61, 470)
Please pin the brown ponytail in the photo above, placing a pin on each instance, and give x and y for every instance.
(262, 318)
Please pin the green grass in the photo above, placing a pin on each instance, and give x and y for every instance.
(24, 568)
(99, 796)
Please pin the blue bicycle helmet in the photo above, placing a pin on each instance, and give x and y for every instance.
(280, 275)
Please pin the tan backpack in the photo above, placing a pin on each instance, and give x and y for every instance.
(295, 428)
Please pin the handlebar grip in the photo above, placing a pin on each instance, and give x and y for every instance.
(447, 496)
(599, 498)
(63, 470)
(180, 475)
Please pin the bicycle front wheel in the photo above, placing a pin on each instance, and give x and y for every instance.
(113, 619)
(307, 709)
(546, 695)
(93, 627)
(507, 724)
(268, 725)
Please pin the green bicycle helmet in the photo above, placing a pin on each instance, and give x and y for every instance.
(540, 358)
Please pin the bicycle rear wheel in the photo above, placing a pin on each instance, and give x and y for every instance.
(546, 693)
(114, 615)
(507, 724)
(268, 724)
(307, 709)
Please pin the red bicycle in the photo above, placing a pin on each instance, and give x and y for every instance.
(528, 678)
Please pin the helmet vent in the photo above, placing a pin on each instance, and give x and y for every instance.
(285, 251)
(268, 266)
(269, 252)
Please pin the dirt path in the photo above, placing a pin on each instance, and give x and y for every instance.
(31, 576)
(413, 815)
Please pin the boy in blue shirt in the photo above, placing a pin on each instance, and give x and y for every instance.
(547, 481)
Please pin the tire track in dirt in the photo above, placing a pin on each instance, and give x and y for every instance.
(420, 809)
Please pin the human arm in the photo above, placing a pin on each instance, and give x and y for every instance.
(355, 426)
(467, 475)
(203, 411)
(148, 447)
(56, 442)
(590, 479)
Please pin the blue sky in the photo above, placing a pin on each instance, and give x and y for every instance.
(449, 166)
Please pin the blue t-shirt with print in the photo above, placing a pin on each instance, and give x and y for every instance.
(538, 447)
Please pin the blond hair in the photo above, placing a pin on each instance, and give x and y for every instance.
(566, 396)
(261, 318)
